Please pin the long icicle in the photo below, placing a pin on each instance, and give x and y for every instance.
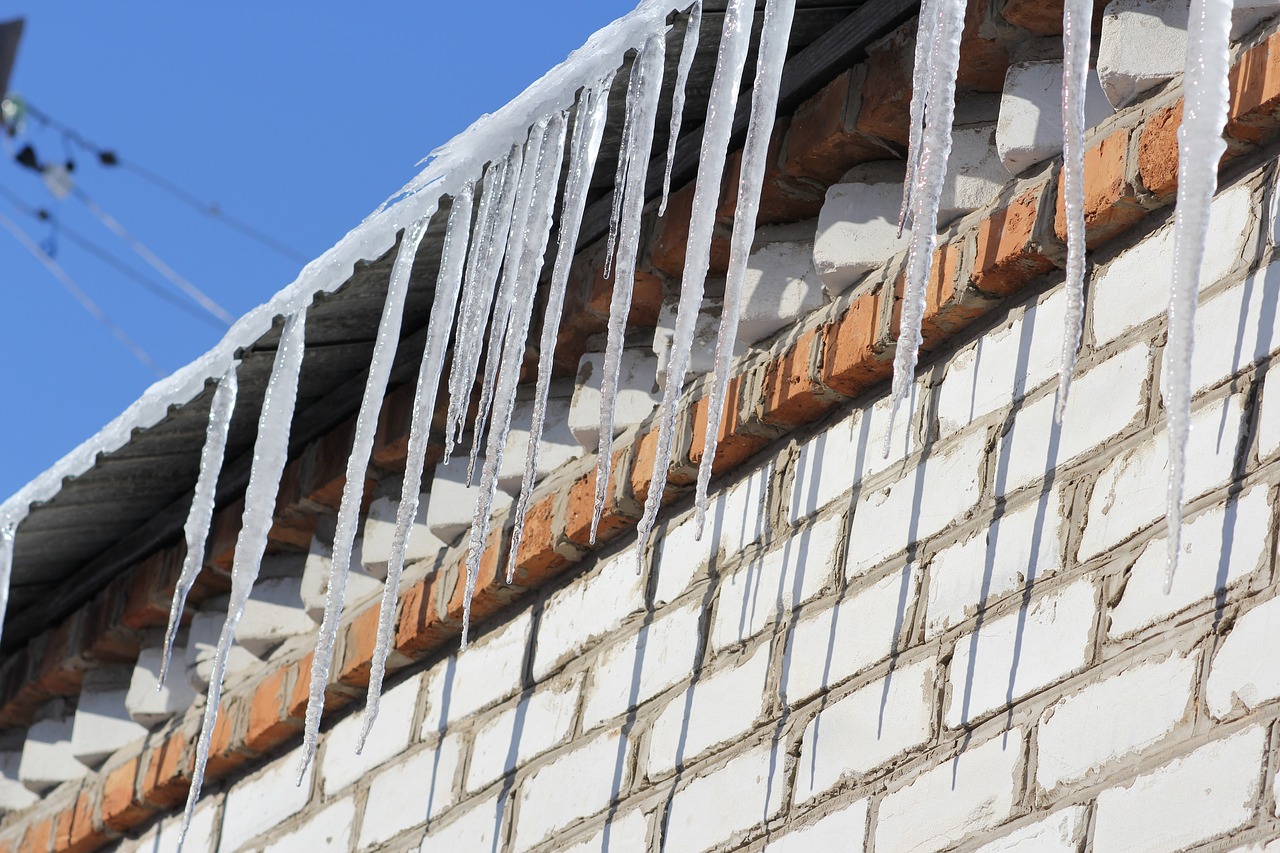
(1200, 147)
(527, 271)
(921, 77)
(778, 15)
(688, 49)
(443, 308)
(1077, 16)
(646, 79)
(935, 148)
(8, 529)
(735, 40)
(624, 162)
(270, 451)
(201, 513)
(588, 131)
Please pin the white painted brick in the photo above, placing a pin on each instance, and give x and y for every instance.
(682, 557)
(963, 795)
(1244, 672)
(745, 515)
(642, 665)
(453, 502)
(725, 802)
(1030, 127)
(1143, 44)
(1241, 325)
(1209, 792)
(714, 710)
(1061, 832)
(162, 837)
(866, 729)
(558, 447)
(380, 528)
(628, 833)
(844, 830)
(768, 587)
(202, 643)
(1018, 654)
(1269, 416)
(478, 828)
(329, 831)
(14, 796)
(831, 645)
(409, 793)
(1131, 491)
(264, 800)
(102, 724)
(361, 584)
(273, 614)
(780, 287)
(702, 354)
(389, 737)
(975, 174)
(858, 225)
(1273, 847)
(486, 673)
(47, 759)
(1003, 365)
(586, 610)
(636, 399)
(149, 706)
(1207, 563)
(1093, 729)
(1103, 402)
(927, 499)
(529, 728)
(577, 784)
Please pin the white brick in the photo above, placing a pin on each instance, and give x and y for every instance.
(636, 399)
(928, 498)
(1240, 323)
(163, 836)
(1103, 402)
(975, 174)
(529, 728)
(769, 586)
(487, 672)
(725, 802)
(328, 832)
(967, 794)
(682, 557)
(146, 704)
(866, 729)
(1220, 548)
(380, 528)
(575, 785)
(388, 738)
(1244, 672)
(264, 800)
(745, 514)
(1059, 833)
(1030, 127)
(102, 724)
(47, 759)
(479, 828)
(714, 710)
(845, 830)
(453, 502)
(1143, 44)
(1201, 795)
(1269, 417)
(828, 647)
(557, 448)
(1003, 365)
(702, 354)
(858, 225)
(409, 793)
(1127, 714)
(641, 666)
(628, 833)
(273, 614)
(14, 796)
(780, 287)
(1018, 654)
(202, 643)
(361, 584)
(586, 610)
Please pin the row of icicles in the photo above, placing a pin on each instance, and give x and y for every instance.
(492, 262)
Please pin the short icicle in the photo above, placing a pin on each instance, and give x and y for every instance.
(375, 389)
(778, 15)
(270, 452)
(448, 284)
(688, 49)
(201, 514)
(588, 131)
(921, 76)
(1077, 16)
(646, 86)
(735, 40)
(1200, 148)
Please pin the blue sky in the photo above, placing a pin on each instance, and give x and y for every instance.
(299, 118)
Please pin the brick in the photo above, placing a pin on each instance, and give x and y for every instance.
(682, 556)
(726, 803)
(1255, 92)
(1158, 152)
(391, 735)
(323, 473)
(1110, 200)
(406, 794)
(950, 304)
(975, 175)
(38, 836)
(679, 472)
(1269, 417)
(269, 724)
(379, 531)
(858, 225)
(844, 830)
(635, 399)
(1030, 128)
(122, 810)
(151, 590)
(487, 673)
(671, 237)
(47, 760)
(1143, 45)
(743, 519)
(14, 796)
(1062, 832)
(151, 706)
(579, 510)
(354, 657)
(577, 784)
(1242, 674)
(854, 359)
(783, 197)
(452, 506)
(1043, 18)
(391, 438)
(421, 627)
(59, 667)
(1238, 318)
(823, 141)
(328, 831)
(983, 59)
(793, 393)
(224, 530)
(492, 593)
(166, 772)
(886, 92)
(1008, 252)
(478, 828)
(627, 833)
(267, 798)
(735, 441)
(542, 551)
(515, 735)
(102, 723)
(335, 695)
(227, 751)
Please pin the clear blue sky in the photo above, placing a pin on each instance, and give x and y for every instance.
(299, 118)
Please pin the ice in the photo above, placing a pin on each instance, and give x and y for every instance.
(921, 76)
(384, 353)
(7, 530)
(625, 158)
(692, 30)
(642, 111)
(774, 37)
(1077, 18)
(588, 131)
(201, 513)
(735, 40)
(448, 283)
(270, 451)
(1200, 147)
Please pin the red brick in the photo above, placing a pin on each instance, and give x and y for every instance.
(420, 628)
(671, 237)
(853, 357)
(103, 636)
(1110, 201)
(293, 523)
(580, 507)
(491, 593)
(226, 743)
(1044, 17)
(823, 142)
(886, 93)
(735, 443)
(38, 837)
(793, 392)
(122, 810)
(335, 695)
(77, 831)
(61, 667)
(166, 773)
(151, 590)
(269, 724)
(783, 197)
(949, 306)
(1158, 152)
(391, 440)
(679, 472)
(1007, 256)
(323, 472)
(359, 639)
(984, 59)
(541, 555)
(1255, 93)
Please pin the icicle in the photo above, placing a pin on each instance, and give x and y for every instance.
(270, 451)
(687, 52)
(375, 389)
(625, 147)
(734, 43)
(588, 131)
(537, 227)
(448, 283)
(201, 513)
(1200, 148)
(1077, 16)
(7, 530)
(926, 193)
(646, 86)
(778, 15)
(921, 77)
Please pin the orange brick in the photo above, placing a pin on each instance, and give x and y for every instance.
(1044, 17)
(491, 591)
(420, 628)
(984, 59)
(853, 358)
(151, 589)
(323, 472)
(1007, 257)
(541, 556)
(226, 743)
(38, 836)
(1255, 93)
(580, 507)
(678, 472)
(269, 724)
(646, 297)
(886, 92)
(783, 198)
(1158, 152)
(671, 237)
(823, 141)
(358, 641)
(735, 443)
(793, 392)
(166, 773)
(335, 696)
(1110, 202)
(76, 830)
(121, 808)
(61, 668)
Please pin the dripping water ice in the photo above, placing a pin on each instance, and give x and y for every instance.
(688, 49)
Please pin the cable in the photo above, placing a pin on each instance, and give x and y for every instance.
(83, 298)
